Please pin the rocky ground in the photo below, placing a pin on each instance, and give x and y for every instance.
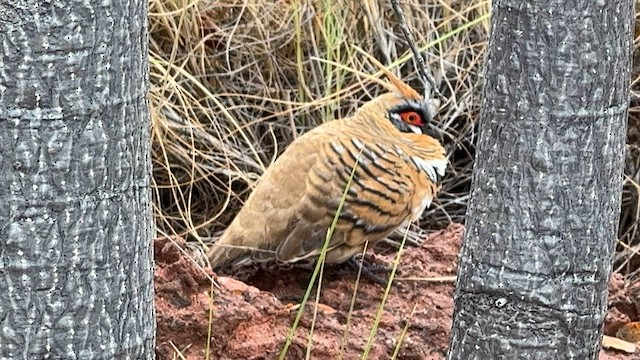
(251, 318)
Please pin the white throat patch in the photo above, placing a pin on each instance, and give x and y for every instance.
(431, 167)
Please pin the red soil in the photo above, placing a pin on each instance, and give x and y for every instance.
(251, 318)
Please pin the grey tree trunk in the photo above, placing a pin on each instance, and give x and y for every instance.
(75, 216)
(543, 216)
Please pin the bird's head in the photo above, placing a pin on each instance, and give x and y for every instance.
(403, 107)
(407, 113)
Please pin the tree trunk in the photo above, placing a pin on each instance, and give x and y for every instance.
(75, 216)
(542, 221)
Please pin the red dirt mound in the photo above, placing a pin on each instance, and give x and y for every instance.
(250, 319)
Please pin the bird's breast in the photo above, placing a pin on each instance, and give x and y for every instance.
(422, 206)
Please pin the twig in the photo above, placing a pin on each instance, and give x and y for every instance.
(423, 72)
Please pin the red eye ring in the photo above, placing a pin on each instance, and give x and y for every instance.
(412, 117)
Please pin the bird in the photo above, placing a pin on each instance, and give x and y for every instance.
(382, 166)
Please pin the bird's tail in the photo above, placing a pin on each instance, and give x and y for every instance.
(226, 251)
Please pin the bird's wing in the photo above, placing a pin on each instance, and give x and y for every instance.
(379, 199)
(268, 215)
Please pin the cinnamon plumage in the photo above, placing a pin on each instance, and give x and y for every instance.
(400, 164)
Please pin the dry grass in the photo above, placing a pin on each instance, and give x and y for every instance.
(233, 82)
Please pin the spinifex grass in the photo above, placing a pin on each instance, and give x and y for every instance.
(376, 322)
(345, 335)
(333, 31)
(396, 351)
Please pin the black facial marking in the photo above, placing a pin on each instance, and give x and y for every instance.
(422, 110)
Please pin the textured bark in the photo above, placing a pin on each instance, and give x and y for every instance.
(75, 216)
(543, 216)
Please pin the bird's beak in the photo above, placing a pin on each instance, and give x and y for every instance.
(433, 131)
(429, 128)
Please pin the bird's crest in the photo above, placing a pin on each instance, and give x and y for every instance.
(396, 85)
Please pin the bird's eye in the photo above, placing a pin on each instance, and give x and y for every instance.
(412, 117)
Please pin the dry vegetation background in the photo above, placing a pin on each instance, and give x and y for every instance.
(235, 81)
